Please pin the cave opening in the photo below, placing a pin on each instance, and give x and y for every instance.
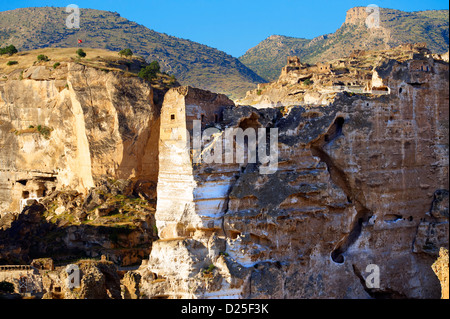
(250, 122)
(335, 130)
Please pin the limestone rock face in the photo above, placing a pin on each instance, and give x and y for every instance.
(357, 15)
(178, 208)
(356, 209)
(67, 127)
(355, 205)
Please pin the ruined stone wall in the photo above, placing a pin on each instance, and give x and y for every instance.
(177, 188)
(24, 278)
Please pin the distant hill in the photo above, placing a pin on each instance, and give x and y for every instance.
(192, 63)
(396, 27)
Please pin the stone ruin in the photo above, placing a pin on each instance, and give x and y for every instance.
(34, 189)
(303, 84)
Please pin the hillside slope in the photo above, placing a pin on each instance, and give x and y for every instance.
(396, 27)
(192, 63)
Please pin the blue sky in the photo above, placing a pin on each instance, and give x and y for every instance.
(234, 26)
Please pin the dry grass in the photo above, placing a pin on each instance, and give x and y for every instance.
(95, 57)
(101, 59)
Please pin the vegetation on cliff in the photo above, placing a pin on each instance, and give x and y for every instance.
(114, 218)
(104, 60)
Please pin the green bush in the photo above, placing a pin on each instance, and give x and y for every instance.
(45, 131)
(126, 53)
(81, 53)
(43, 58)
(12, 62)
(209, 270)
(150, 72)
(56, 65)
(172, 79)
(10, 50)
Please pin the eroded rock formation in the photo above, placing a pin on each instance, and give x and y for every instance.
(69, 126)
(79, 160)
(356, 207)
(361, 184)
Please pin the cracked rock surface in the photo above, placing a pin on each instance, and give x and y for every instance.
(363, 181)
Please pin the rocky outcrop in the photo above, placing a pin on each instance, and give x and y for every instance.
(130, 283)
(303, 84)
(68, 126)
(357, 15)
(360, 192)
(114, 219)
(176, 203)
(353, 205)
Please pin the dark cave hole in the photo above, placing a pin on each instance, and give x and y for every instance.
(335, 131)
(336, 256)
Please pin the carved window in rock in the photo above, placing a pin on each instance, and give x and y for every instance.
(172, 117)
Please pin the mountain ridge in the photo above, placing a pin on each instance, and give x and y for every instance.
(396, 27)
(191, 62)
(208, 68)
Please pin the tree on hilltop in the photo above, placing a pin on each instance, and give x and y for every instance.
(42, 58)
(126, 53)
(150, 71)
(81, 53)
(10, 50)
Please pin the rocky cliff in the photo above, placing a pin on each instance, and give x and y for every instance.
(358, 207)
(364, 28)
(358, 15)
(355, 205)
(66, 127)
(79, 142)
